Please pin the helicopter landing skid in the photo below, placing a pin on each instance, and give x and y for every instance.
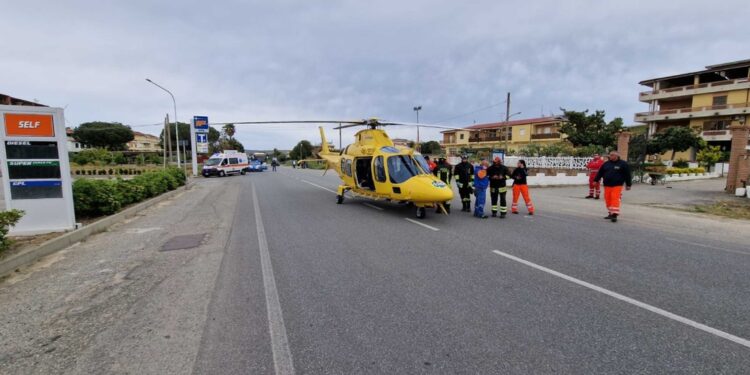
(340, 194)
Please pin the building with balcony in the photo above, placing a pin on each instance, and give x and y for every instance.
(511, 135)
(708, 101)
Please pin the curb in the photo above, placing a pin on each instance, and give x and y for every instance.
(8, 266)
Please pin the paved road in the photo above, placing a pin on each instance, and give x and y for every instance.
(288, 281)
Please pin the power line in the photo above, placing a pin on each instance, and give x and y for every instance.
(472, 112)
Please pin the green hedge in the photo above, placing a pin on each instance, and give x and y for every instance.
(105, 197)
(7, 219)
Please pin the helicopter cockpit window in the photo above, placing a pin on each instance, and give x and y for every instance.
(379, 169)
(348, 168)
(422, 163)
(401, 168)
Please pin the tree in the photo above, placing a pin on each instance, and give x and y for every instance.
(302, 150)
(677, 139)
(229, 130)
(109, 135)
(430, 148)
(709, 156)
(585, 129)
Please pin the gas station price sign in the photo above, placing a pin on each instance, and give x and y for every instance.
(35, 168)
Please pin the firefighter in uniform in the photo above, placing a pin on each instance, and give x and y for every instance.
(498, 174)
(444, 172)
(593, 167)
(464, 174)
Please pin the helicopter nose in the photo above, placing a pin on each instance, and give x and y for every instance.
(429, 190)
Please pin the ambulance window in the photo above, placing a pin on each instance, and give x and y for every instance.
(379, 169)
(213, 161)
(233, 161)
(224, 162)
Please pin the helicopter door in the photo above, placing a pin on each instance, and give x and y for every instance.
(378, 171)
(364, 173)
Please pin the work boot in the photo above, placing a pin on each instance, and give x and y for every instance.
(447, 208)
(494, 214)
(502, 215)
(614, 218)
(597, 197)
(589, 196)
(608, 217)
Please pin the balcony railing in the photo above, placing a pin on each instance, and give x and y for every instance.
(546, 136)
(489, 139)
(695, 87)
(693, 109)
(714, 132)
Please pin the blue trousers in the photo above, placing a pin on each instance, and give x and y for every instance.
(481, 195)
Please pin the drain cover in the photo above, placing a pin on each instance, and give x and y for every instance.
(183, 242)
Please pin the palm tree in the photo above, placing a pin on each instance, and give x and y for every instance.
(229, 130)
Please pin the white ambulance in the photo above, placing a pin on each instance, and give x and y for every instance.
(225, 163)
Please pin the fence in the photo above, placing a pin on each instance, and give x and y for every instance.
(544, 162)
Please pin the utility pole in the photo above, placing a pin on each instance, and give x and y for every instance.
(168, 136)
(507, 118)
(176, 132)
(340, 138)
(417, 109)
(165, 137)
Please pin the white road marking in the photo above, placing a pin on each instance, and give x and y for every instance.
(282, 355)
(645, 306)
(320, 187)
(373, 206)
(422, 224)
(707, 246)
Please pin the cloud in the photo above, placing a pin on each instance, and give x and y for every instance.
(240, 60)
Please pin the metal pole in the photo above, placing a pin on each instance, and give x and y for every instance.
(507, 118)
(176, 129)
(193, 151)
(340, 137)
(164, 143)
(168, 137)
(417, 109)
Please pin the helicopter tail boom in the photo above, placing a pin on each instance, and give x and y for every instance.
(324, 150)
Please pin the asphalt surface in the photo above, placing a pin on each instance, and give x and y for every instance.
(358, 288)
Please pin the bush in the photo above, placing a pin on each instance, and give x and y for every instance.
(8, 219)
(681, 163)
(105, 197)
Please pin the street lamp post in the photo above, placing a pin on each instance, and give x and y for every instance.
(176, 129)
(417, 109)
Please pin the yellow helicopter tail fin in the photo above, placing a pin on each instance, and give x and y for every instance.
(324, 150)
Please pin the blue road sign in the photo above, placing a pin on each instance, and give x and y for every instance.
(200, 123)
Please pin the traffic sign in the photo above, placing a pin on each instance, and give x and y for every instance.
(201, 124)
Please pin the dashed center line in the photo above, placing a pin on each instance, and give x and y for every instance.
(422, 224)
(373, 206)
(645, 306)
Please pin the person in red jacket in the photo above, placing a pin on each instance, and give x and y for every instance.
(593, 167)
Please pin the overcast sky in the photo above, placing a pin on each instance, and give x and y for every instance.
(271, 60)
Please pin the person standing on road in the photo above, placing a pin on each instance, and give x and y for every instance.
(274, 164)
(521, 187)
(498, 174)
(615, 173)
(294, 164)
(481, 181)
(593, 166)
(444, 172)
(464, 173)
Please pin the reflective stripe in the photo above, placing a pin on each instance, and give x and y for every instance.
(503, 189)
(503, 209)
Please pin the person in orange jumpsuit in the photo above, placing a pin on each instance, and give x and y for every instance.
(615, 173)
(593, 167)
(520, 187)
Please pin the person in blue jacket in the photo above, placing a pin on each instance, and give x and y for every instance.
(481, 181)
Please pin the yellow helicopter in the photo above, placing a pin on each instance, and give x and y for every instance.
(373, 167)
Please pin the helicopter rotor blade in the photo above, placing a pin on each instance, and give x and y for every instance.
(289, 122)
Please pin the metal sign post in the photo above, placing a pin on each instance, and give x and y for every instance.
(35, 168)
(199, 135)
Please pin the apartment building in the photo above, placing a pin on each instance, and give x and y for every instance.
(511, 135)
(143, 142)
(708, 101)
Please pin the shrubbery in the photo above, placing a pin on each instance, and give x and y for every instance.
(7, 219)
(105, 197)
(699, 170)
